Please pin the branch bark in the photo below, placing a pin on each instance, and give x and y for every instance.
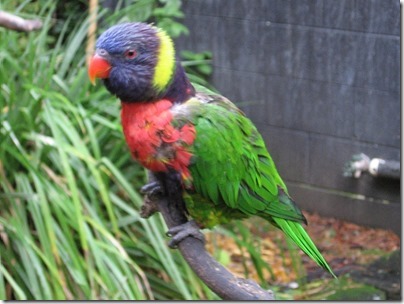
(92, 29)
(19, 24)
(214, 275)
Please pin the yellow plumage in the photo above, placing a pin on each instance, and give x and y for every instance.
(165, 61)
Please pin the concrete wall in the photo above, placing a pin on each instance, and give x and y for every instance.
(321, 80)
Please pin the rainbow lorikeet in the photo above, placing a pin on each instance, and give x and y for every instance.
(199, 145)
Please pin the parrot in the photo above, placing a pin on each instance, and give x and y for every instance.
(202, 149)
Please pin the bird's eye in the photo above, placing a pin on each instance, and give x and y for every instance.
(130, 54)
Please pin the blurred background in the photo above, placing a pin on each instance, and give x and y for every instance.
(319, 78)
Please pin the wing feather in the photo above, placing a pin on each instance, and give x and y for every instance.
(232, 168)
(231, 164)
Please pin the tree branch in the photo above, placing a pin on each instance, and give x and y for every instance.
(214, 275)
(92, 29)
(19, 24)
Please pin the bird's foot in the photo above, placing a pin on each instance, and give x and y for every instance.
(148, 208)
(180, 232)
(152, 190)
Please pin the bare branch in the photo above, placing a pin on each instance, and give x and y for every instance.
(214, 275)
(19, 24)
(92, 29)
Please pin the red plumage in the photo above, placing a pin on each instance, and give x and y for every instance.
(153, 140)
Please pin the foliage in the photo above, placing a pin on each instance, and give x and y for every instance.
(198, 66)
(343, 289)
(69, 222)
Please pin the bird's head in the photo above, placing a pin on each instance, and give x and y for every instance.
(135, 60)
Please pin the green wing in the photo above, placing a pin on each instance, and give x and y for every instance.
(233, 174)
(231, 164)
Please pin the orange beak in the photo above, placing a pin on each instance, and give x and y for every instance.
(99, 68)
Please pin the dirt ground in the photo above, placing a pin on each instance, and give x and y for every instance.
(344, 245)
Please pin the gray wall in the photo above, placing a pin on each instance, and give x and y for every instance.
(321, 80)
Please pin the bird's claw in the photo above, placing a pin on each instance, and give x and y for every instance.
(152, 190)
(148, 208)
(180, 232)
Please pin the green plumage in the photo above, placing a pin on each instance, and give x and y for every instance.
(233, 174)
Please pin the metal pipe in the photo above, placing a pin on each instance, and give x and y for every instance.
(385, 168)
(377, 167)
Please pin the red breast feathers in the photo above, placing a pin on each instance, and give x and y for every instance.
(153, 140)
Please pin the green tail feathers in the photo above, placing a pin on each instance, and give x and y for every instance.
(296, 232)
